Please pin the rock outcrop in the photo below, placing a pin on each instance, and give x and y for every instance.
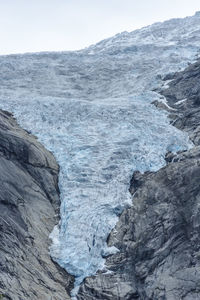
(29, 208)
(159, 236)
(183, 95)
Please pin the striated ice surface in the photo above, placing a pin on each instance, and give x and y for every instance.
(92, 109)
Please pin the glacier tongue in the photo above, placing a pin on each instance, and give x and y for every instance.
(92, 109)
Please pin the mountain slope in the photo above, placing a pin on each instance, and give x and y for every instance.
(159, 237)
(29, 201)
(92, 109)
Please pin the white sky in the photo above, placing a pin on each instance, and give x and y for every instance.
(54, 25)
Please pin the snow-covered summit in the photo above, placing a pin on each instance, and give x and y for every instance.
(117, 61)
(158, 34)
(92, 108)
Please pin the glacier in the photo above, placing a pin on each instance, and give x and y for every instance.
(93, 109)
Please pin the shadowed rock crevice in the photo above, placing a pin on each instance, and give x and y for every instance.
(29, 206)
(159, 236)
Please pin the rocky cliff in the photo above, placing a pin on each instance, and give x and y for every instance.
(159, 236)
(29, 206)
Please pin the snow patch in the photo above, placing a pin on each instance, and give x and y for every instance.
(180, 101)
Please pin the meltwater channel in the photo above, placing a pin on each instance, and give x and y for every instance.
(92, 109)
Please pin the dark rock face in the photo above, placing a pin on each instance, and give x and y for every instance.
(29, 206)
(184, 96)
(159, 236)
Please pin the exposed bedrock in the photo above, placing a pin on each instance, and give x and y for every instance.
(183, 95)
(29, 208)
(159, 236)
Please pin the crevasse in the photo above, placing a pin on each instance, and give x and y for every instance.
(92, 109)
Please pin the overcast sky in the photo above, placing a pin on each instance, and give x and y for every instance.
(54, 25)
